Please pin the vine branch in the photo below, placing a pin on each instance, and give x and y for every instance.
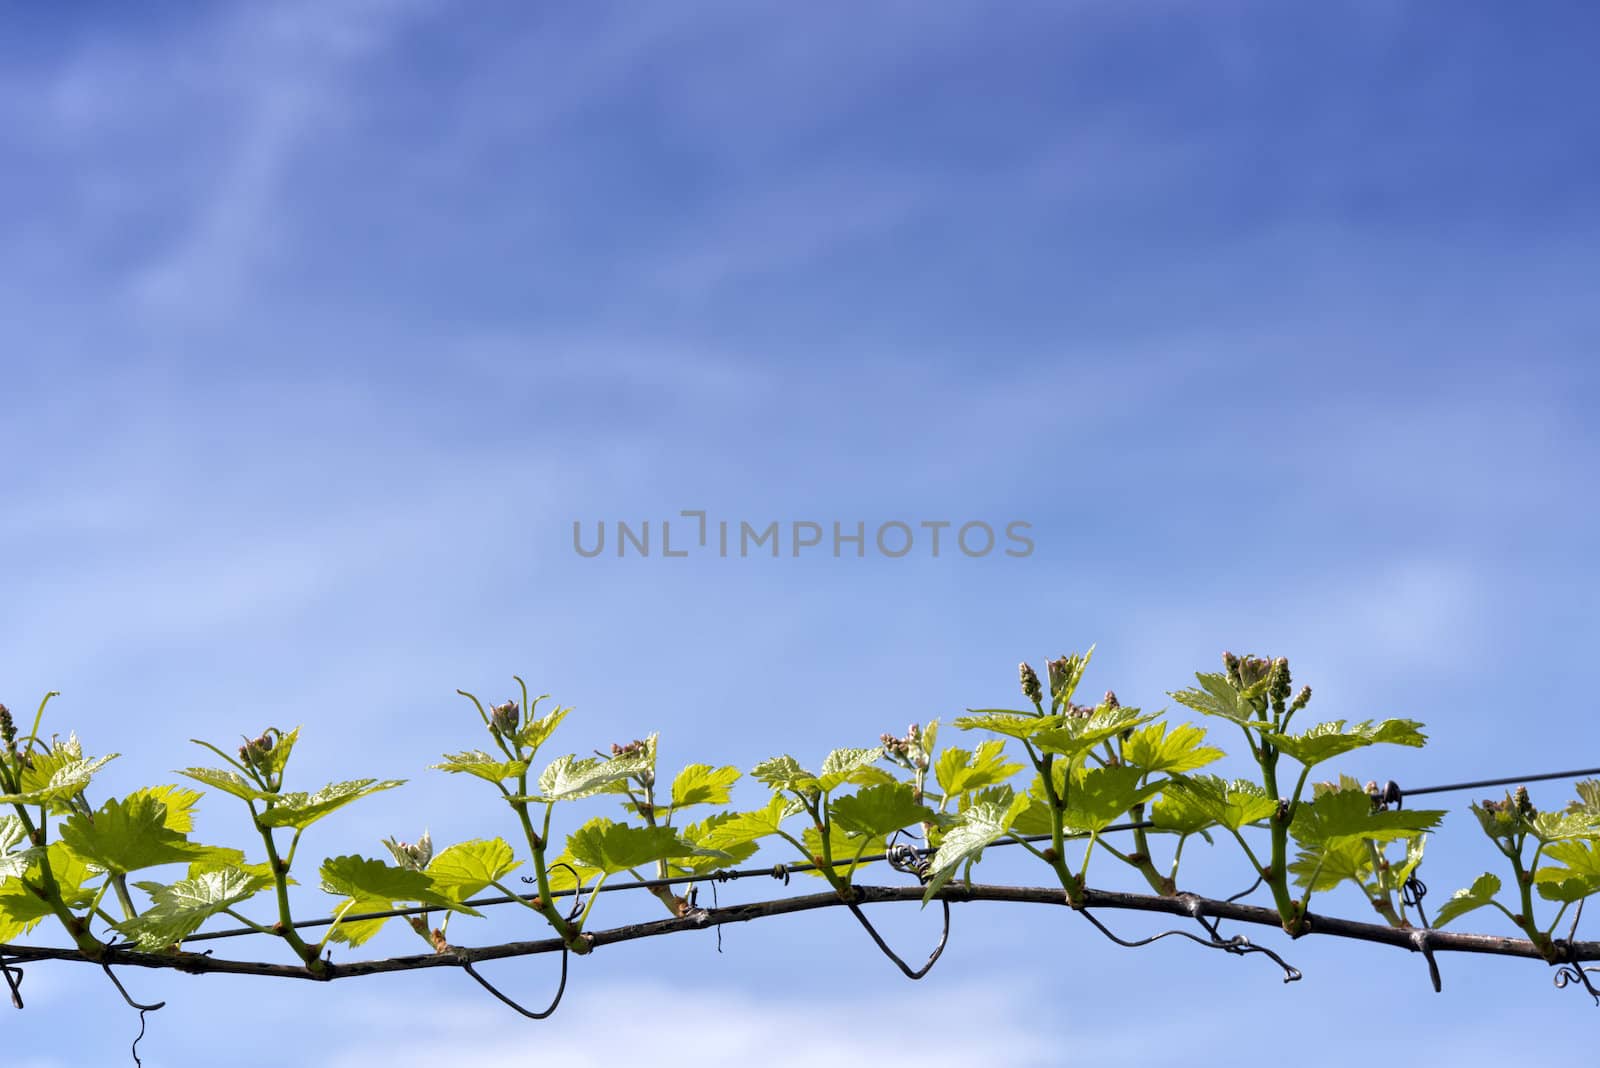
(1185, 905)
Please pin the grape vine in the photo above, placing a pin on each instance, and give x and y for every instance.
(1066, 782)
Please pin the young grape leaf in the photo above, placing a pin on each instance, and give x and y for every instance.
(180, 803)
(701, 835)
(300, 810)
(1328, 740)
(355, 932)
(1218, 697)
(366, 879)
(1178, 811)
(1079, 735)
(1323, 867)
(20, 910)
(570, 778)
(66, 781)
(1559, 826)
(466, 868)
(983, 824)
(878, 810)
(1232, 804)
(484, 765)
(743, 827)
(616, 847)
(274, 760)
(536, 732)
(783, 773)
(1580, 875)
(702, 784)
(1479, 894)
(229, 782)
(1099, 797)
(1064, 682)
(1020, 725)
(179, 910)
(1337, 814)
(14, 862)
(958, 771)
(1156, 749)
(125, 836)
(842, 765)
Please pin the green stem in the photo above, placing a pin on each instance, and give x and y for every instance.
(280, 879)
(49, 890)
(1277, 874)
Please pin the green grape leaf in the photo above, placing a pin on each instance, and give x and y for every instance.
(1099, 797)
(466, 868)
(1034, 818)
(372, 880)
(1328, 740)
(1218, 697)
(1588, 791)
(1020, 725)
(1323, 867)
(535, 732)
(1577, 879)
(300, 810)
(1337, 814)
(783, 773)
(274, 760)
(1479, 894)
(1178, 811)
(484, 765)
(640, 763)
(570, 778)
(178, 910)
(958, 771)
(1064, 685)
(616, 847)
(180, 803)
(842, 765)
(125, 836)
(701, 835)
(878, 810)
(1398, 874)
(1156, 749)
(67, 780)
(744, 827)
(702, 784)
(1559, 826)
(355, 932)
(229, 782)
(20, 910)
(981, 825)
(71, 873)
(15, 862)
(1232, 804)
(1079, 734)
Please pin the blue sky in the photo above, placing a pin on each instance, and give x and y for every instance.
(322, 323)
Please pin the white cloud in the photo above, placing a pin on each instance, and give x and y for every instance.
(704, 1029)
